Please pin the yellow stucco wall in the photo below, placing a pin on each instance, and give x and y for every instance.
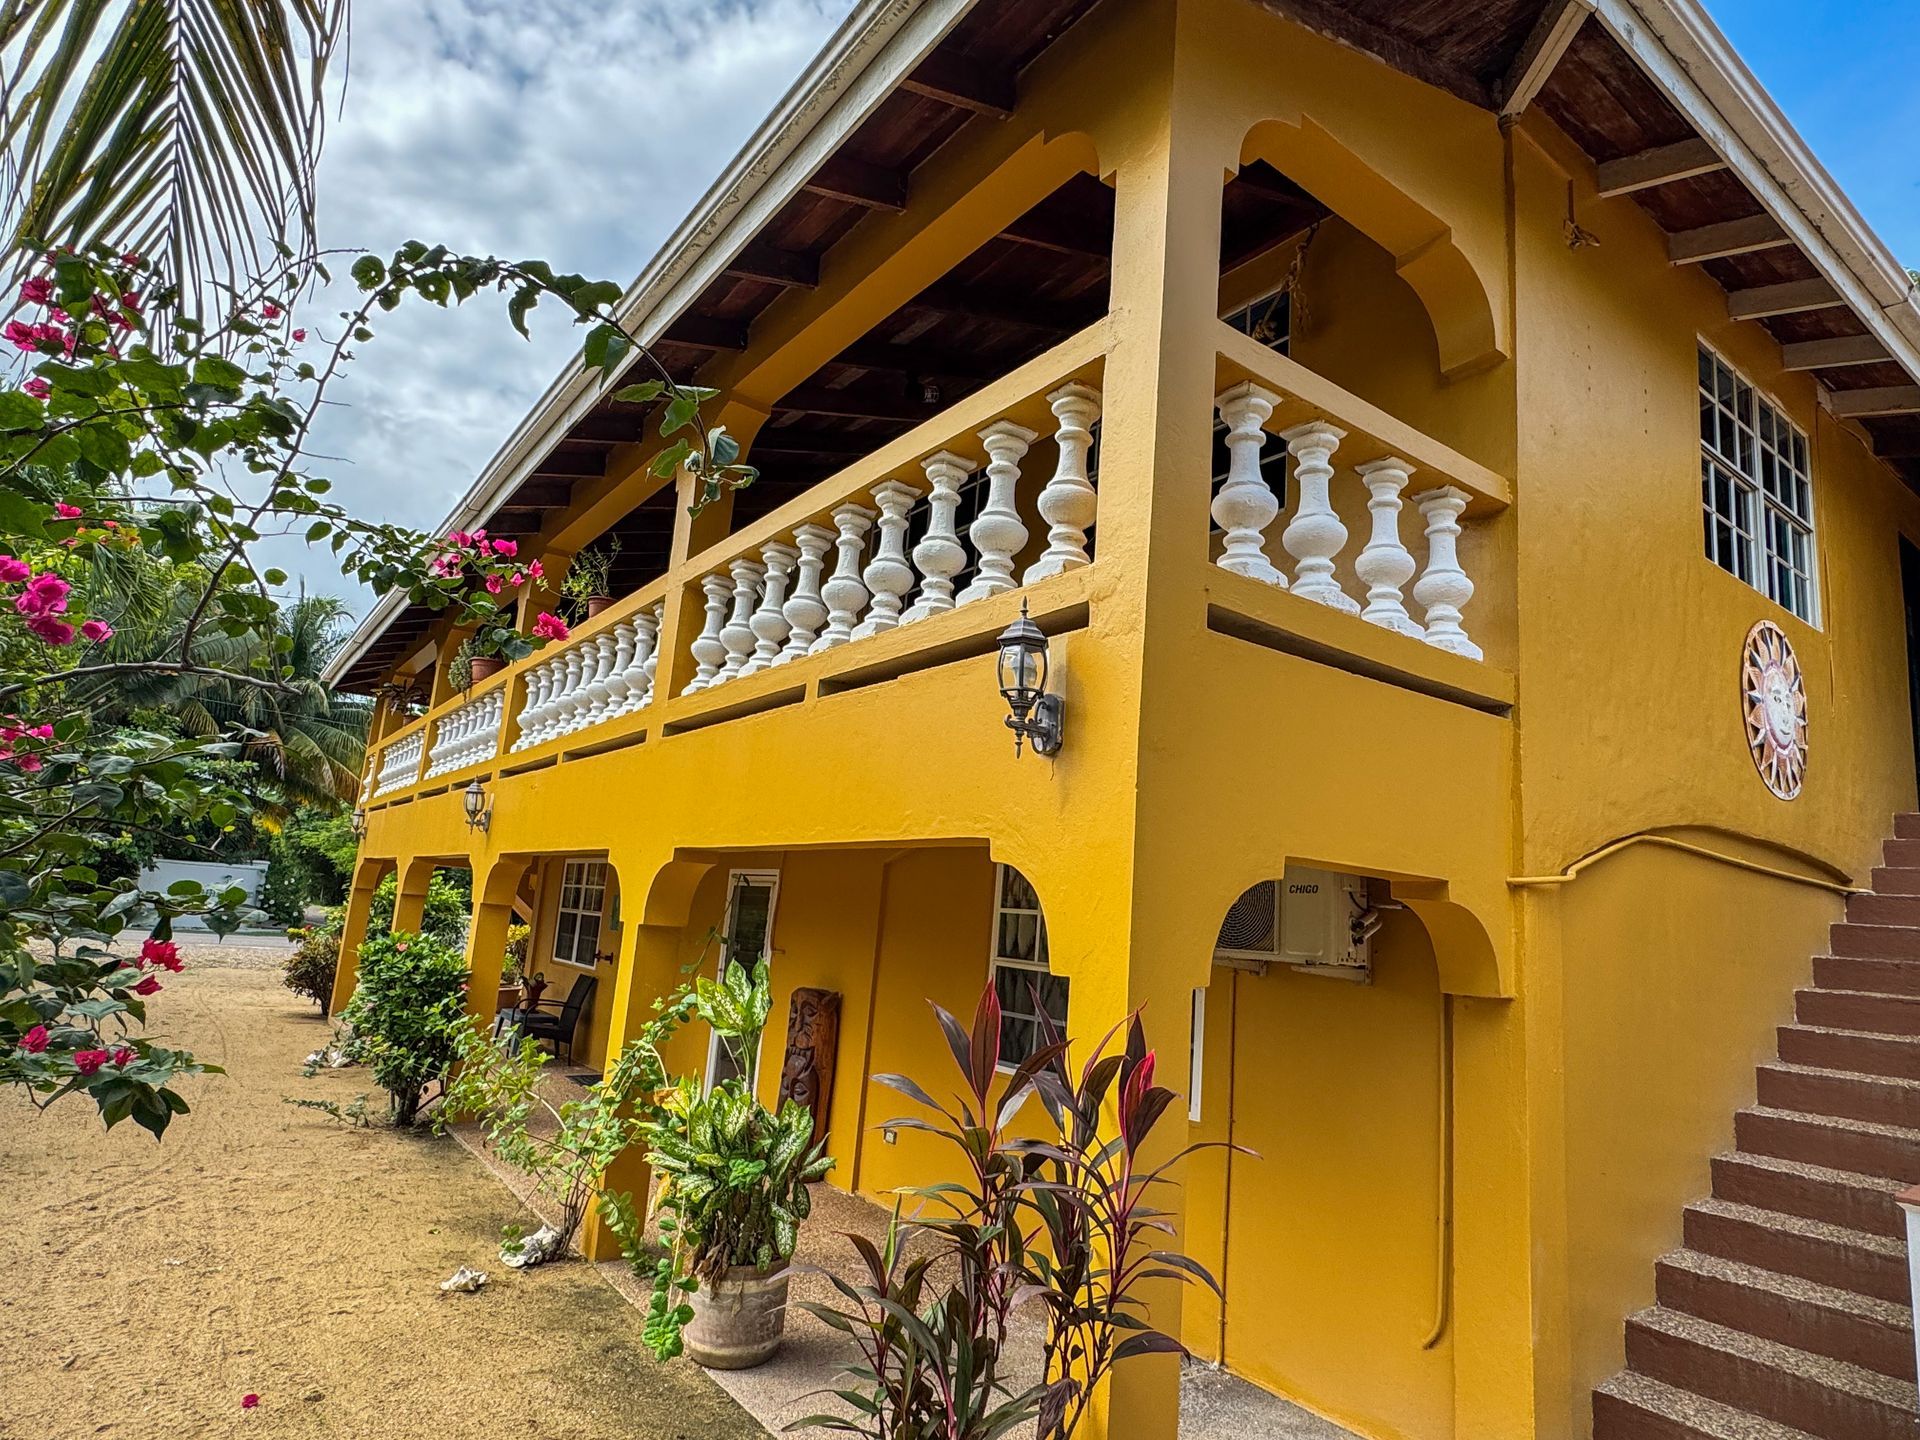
(1603, 1030)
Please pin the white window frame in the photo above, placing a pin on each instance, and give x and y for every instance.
(1753, 530)
(771, 881)
(1281, 344)
(1041, 964)
(1196, 1054)
(561, 908)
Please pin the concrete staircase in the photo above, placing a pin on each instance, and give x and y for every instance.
(1788, 1313)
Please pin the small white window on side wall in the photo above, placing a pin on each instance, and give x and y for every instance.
(576, 921)
(1756, 490)
(1026, 988)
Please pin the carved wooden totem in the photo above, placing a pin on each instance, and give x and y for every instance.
(813, 1033)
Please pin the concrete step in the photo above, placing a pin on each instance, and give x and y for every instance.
(1865, 1147)
(1871, 909)
(1840, 1324)
(1824, 1397)
(1843, 1093)
(1874, 1265)
(1844, 1049)
(1896, 880)
(1813, 1192)
(1879, 942)
(1633, 1407)
(1858, 1010)
(1906, 826)
(1875, 976)
(1901, 853)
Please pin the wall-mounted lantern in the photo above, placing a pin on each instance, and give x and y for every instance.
(360, 822)
(479, 806)
(1037, 716)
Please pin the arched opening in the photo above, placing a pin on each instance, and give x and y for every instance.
(1321, 1055)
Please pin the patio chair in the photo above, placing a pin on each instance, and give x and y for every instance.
(557, 1029)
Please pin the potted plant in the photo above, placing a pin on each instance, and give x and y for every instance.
(731, 1190)
(532, 987)
(513, 966)
(588, 581)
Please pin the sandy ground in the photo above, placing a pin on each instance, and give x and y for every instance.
(265, 1249)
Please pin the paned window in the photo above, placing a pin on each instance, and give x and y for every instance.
(1026, 988)
(583, 897)
(1756, 491)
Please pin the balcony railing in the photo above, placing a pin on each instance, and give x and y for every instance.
(400, 763)
(467, 734)
(606, 675)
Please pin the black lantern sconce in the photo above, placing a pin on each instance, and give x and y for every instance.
(360, 822)
(479, 807)
(1037, 716)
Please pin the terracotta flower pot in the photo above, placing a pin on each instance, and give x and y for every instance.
(481, 666)
(738, 1322)
(507, 998)
(597, 603)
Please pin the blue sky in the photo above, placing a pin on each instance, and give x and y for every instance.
(580, 132)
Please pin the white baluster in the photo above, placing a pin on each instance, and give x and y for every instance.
(999, 533)
(600, 657)
(1315, 534)
(804, 611)
(1444, 588)
(708, 649)
(634, 676)
(1069, 503)
(618, 695)
(769, 623)
(568, 701)
(844, 594)
(529, 715)
(551, 674)
(888, 575)
(1246, 505)
(649, 626)
(940, 556)
(1386, 564)
(737, 633)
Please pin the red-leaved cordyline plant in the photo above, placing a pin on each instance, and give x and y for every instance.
(1062, 1222)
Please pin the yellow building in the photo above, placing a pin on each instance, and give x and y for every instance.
(1461, 455)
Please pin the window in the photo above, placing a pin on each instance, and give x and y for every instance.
(1755, 490)
(1268, 320)
(1027, 990)
(583, 897)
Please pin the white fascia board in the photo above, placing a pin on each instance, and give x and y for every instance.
(875, 48)
(1684, 52)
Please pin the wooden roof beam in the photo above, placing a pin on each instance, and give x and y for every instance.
(825, 444)
(561, 463)
(1336, 21)
(1661, 165)
(607, 427)
(857, 183)
(1826, 354)
(705, 332)
(1899, 448)
(1744, 236)
(956, 81)
(1545, 46)
(853, 403)
(1044, 230)
(918, 359)
(1050, 317)
(1762, 302)
(775, 267)
(1875, 400)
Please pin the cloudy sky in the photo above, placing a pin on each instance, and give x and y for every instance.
(580, 132)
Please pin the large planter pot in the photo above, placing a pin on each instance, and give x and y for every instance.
(737, 1323)
(483, 667)
(597, 603)
(506, 997)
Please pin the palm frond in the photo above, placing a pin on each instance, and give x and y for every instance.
(186, 130)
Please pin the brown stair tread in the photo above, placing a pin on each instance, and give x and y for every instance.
(1835, 1375)
(1792, 1287)
(1821, 1230)
(1806, 1170)
(1823, 1072)
(1697, 1413)
(1838, 1122)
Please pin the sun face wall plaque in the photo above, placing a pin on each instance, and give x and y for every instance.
(1773, 702)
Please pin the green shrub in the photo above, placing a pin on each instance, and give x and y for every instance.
(406, 1014)
(311, 967)
(448, 912)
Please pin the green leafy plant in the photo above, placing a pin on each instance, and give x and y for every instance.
(513, 960)
(590, 574)
(445, 916)
(460, 667)
(1062, 1222)
(406, 1015)
(310, 970)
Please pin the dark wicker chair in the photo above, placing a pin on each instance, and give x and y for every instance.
(557, 1029)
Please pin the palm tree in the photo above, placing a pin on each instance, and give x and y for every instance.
(185, 130)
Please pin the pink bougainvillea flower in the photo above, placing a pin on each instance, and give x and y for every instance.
(51, 629)
(41, 732)
(269, 310)
(13, 571)
(132, 260)
(400, 945)
(88, 1061)
(35, 1040)
(38, 387)
(550, 627)
(46, 594)
(67, 512)
(163, 953)
(125, 1055)
(447, 564)
(536, 569)
(97, 630)
(519, 578)
(22, 335)
(494, 587)
(29, 763)
(507, 548)
(131, 299)
(249, 1400)
(149, 985)
(460, 537)
(299, 336)
(37, 291)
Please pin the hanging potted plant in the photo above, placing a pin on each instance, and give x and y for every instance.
(589, 582)
(731, 1192)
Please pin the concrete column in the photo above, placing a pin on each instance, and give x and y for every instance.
(493, 895)
(366, 879)
(410, 904)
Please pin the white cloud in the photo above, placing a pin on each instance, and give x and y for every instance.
(571, 131)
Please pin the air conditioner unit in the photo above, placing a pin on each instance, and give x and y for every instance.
(1312, 920)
